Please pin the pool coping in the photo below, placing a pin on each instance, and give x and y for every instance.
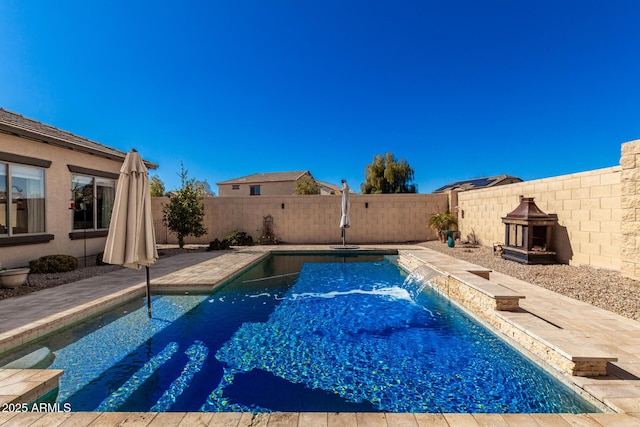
(619, 390)
(499, 307)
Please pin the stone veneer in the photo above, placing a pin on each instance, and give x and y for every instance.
(492, 303)
(630, 203)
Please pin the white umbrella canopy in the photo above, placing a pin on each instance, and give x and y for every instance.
(345, 221)
(131, 241)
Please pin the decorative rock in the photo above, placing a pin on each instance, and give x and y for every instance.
(602, 288)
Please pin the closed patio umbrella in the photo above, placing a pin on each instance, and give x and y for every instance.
(345, 221)
(131, 241)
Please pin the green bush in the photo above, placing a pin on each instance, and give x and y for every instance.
(218, 245)
(53, 264)
(239, 238)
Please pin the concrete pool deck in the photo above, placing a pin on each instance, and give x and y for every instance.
(25, 317)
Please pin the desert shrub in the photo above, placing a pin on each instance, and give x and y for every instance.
(239, 238)
(218, 245)
(53, 264)
(472, 238)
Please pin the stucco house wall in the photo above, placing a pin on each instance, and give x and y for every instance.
(34, 143)
(266, 189)
(271, 184)
(58, 218)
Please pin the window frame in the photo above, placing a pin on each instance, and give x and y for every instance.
(254, 190)
(89, 233)
(10, 238)
(94, 179)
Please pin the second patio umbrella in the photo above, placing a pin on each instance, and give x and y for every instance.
(131, 240)
(345, 221)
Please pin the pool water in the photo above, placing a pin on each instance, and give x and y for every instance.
(343, 335)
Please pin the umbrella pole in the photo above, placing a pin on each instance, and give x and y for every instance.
(148, 293)
(344, 232)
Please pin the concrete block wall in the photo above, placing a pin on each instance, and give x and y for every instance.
(376, 218)
(587, 206)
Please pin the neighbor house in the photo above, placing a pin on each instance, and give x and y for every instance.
(327, 189)
(56, 191)
(262, 184)
(474, 183)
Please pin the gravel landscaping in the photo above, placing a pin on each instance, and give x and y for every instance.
(600, 287)
(35, 282)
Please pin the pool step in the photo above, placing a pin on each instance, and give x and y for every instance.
(118, 397)
(39, 358)
(197, 354)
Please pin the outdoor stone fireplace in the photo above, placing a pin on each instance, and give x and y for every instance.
(527, 234)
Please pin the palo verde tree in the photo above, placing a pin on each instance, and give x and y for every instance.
(388, 175)
(185, 211)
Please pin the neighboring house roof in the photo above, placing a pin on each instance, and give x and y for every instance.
(337, 189)
(266, 177)
(18, 125)
(471, 184)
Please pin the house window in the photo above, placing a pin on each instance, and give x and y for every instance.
(93, 199)
(22, 200)
(235, 187)
(254, 190)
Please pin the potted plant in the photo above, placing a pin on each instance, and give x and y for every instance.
(13, 277)
(441, 222)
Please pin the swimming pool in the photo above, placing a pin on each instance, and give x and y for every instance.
(344, 335)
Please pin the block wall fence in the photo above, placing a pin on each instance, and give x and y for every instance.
(598, 215)
(377, 218)
(586, 205)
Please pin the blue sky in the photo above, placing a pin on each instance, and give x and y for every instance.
(460, 89)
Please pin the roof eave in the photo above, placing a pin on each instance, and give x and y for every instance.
(36, 136)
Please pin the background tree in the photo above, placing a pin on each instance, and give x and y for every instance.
(388, 175)
(206, 188)
(157, 186)
(307, 185)
(185, 211)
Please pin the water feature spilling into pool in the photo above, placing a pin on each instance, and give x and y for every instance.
(295, 334)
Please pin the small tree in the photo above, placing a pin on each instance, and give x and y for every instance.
(185, 211)
(157, 186)
(388, 175)
(307, 185)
